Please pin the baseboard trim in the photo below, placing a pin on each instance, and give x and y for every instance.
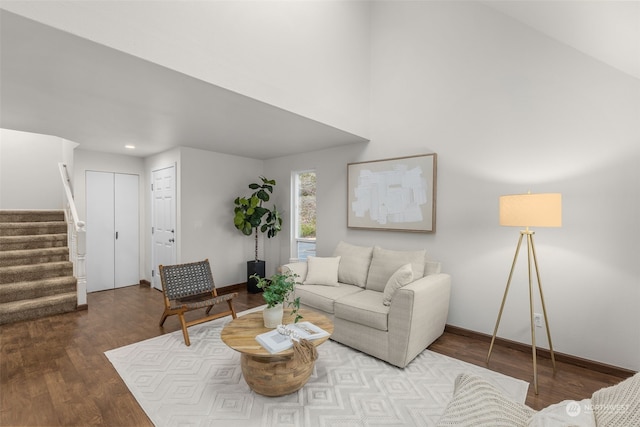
(543, 352)
(232, 288)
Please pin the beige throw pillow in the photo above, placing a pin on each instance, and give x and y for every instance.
(354, 263)
(322, 271)
(476, 403)
(385, 262)
(402, 276)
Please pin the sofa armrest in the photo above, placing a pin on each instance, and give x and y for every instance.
(417, 316)
(299, 268)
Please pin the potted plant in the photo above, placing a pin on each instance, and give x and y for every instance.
(250, 216)
(277, 291)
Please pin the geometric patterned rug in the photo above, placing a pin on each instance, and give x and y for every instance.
(202, 385)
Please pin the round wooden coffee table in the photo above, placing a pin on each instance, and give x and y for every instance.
(265, 373)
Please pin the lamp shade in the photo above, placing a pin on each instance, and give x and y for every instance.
(531, 210)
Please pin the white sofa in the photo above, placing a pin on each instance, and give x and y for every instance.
(389, 304)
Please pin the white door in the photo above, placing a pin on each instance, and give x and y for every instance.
(100, 231)
(163, 194)
(127, 237)
(112, 230)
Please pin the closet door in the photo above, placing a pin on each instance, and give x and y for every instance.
(112, 230)
(126, 220)
(100, 231)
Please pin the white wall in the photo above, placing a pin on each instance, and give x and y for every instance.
(309, 57)
(27, 181)
(206, 185)
(507, 110)
(209, 183)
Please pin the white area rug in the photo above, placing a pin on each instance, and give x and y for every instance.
(202, 385)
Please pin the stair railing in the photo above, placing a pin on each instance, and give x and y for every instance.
(77, 237)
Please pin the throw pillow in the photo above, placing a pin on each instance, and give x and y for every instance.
(385, 262)
(402, 276)
(322, 271)
(476, 402)
(618, 405)
(354, 263)
(566, 413)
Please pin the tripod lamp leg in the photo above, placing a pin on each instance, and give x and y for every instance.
(504, 298)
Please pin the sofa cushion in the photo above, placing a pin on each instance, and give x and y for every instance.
(476, 402)
(322, 271)
(323, 297)
(365, 308)
(354, 263)
(385, 262)
(402, 276)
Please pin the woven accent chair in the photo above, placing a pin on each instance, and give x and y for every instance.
(189, 287)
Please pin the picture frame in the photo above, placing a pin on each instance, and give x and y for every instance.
(396, 194)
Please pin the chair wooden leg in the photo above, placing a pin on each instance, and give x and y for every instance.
(164, 317)
(209, 309)
(233, 311)
(184, 329)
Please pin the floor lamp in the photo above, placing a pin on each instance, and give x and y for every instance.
(529, 210)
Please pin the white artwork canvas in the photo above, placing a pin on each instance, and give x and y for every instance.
(393, 194)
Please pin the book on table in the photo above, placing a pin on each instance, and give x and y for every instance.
(276, 340)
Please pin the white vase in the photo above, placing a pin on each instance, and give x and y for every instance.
(273, 316)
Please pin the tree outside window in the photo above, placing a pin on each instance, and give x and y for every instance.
(305, 218)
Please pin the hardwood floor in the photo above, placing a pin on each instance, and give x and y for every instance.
(53, 371)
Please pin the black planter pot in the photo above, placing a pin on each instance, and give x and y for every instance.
(254, 267)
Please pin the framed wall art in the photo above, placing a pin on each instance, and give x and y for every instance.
(396, 194)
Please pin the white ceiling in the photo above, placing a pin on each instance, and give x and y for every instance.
(55, 83)
(606, 30)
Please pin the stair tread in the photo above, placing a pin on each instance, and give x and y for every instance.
(23, 253)
(34, 237)
(26, 224)
(23, 215)
(33, 241)
(42, 266)
(17, 306)
(32, 228)
(20, 291)
(39, 282)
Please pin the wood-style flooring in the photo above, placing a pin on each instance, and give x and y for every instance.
(53, 371)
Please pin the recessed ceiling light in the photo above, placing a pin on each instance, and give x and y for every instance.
(130, 147)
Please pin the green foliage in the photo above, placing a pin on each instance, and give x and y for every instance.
(306, 205)
(308, 230)
(250, 216)
(278, 289)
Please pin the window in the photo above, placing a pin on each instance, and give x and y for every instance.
(304, 208)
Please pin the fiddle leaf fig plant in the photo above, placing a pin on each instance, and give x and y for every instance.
(251, 216)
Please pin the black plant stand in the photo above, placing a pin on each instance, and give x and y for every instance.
(254, 267)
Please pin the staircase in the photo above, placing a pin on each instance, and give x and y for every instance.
(36, 276)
